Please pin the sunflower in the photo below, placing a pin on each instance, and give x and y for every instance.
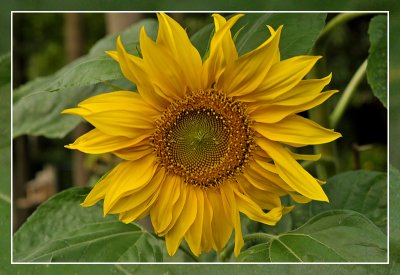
(203, 141)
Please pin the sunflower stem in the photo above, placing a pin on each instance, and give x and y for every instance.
(338, 20)
(223, 256)
(347, 94)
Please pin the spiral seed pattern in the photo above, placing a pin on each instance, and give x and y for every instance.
(204, 138)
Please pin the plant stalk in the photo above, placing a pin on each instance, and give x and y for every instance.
(347, 94)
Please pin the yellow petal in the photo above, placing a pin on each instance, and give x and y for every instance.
(250, 177)
(305, 157)
(265, 199)
(132, 68)
(187, 218)
(164, 70)
(129, 69)
(139, 211)
(207, 238)
(230, 204)
(139, 196)
(221, 225)
(301, 102)
(120, 113)
(177, 209)
(243, 76)
(97, 142)
(296, 131)
(282, 77)
(292, 172)
(194, 234)
(161, 212)
(228, 200)
(174, 38)
(299, 198)
(227, 45)
(97, 193)
(134, 152)
(265, 176)
(222, 50)
(127, 177)
(274, 112)
(254, 211)
(305, 88)
(239, 243)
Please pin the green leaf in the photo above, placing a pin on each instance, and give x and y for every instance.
(66, 232)
(202, 39)
(377, 59)
(256, 253)
(40, 113)
(85, 71)
(333, 236)
(361, 191)
(300, 31)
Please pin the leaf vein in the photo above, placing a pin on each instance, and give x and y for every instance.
(290, 250)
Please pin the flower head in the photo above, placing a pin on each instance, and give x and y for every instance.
(203, 141)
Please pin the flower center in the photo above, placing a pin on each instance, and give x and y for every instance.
(204, 138)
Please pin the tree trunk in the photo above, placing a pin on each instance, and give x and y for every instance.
(74, 40)
(116, 22)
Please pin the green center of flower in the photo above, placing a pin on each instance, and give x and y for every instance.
(205, 138)
(199, 140)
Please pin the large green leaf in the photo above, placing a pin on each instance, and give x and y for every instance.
(361, 191)
(377, 59)
(64, 231)
(40, 113)
(202, 39)
(300, 31)
(332, 236)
